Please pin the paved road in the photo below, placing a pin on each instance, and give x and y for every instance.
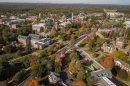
(87, 57)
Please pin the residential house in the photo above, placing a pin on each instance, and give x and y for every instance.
(54, 79)
(119, 41)
(108, 47)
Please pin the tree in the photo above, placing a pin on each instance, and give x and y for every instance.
(74, 55)
(33, 83)
(72, 66)
(58, 64)
(68, 32)
(34, 60)
(19, 53)
(79, 83)
(123, 74)
(38, 70)
(4, 68)
(28, 45)
(8, 49)
(26, 61)
(53, 33)
(109, 62)
(81, 75)
(89, 81)
(19, 75)
(115, 53)
(42, 52)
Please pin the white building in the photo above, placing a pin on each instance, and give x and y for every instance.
(114, 14)
(127, 24)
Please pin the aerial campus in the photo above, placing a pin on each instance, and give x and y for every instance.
(64, 44)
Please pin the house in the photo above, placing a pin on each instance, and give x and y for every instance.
(54, 79)
(108, 47)
(127, 24)
(22, 39)
(119, 41)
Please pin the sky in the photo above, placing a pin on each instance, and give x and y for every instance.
(122, 2)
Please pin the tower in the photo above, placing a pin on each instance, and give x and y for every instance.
(72, 16)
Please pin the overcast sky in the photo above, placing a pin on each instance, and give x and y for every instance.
(124, 2)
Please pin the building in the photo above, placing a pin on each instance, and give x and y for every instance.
(82, 16)
(108, 47)
(39, 27)
(40, 44)
(114, 14)
(102, 77)
(127, 24)
(119, 41)
(22, 39)
(34, 36)
(97, 75)
(32, 18)
(54, 79)
(15, 26)
(36, 41)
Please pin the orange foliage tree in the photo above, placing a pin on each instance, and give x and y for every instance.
(68, 32)
(109, 62)
(79, 83)
(33, 83)
(58, 60)
(87, 39)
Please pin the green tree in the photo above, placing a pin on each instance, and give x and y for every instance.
(42, 52)
(38, 70)
(123, 74)
(89, 81)
(74, 55)
(19, 75)
(81, 75)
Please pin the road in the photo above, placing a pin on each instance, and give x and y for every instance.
(87, 57)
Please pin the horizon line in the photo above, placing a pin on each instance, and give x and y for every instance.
(63, 3)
